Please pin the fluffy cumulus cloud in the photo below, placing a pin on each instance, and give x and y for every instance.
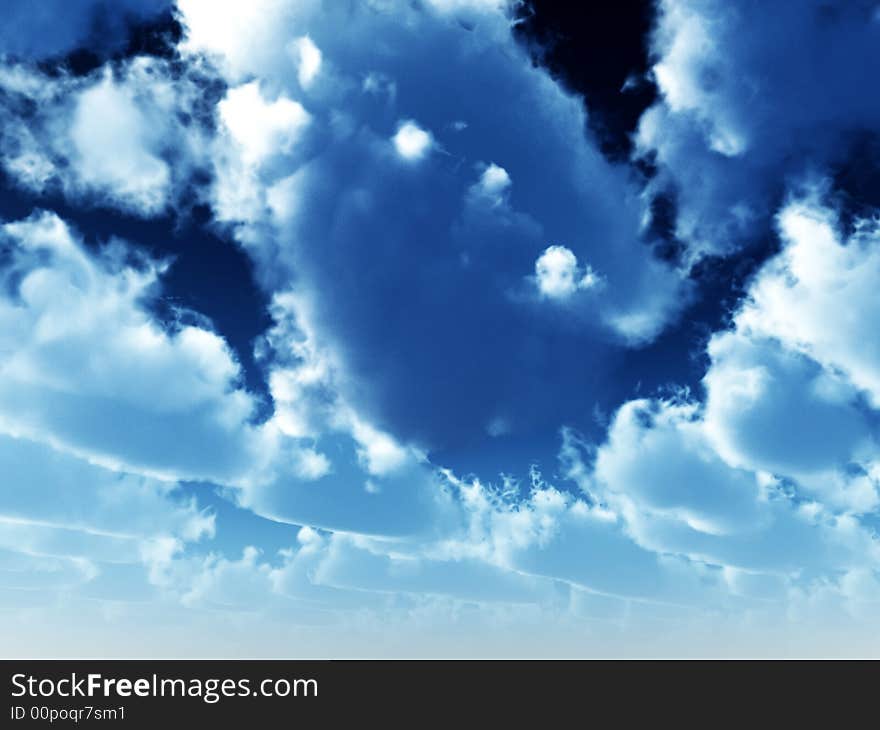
(818, 297)
(493, 185)
(129, 138)
(471, 424)
(776, 471)
(93, 373)
(558, 275)
(87, 368)
(680, 497)
(791, 388)
(411, 141)
(255, 131)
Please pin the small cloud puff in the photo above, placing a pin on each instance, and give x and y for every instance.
(493, 185)
(411, 142)
(308, 59)
(558, 275)
(380, 85)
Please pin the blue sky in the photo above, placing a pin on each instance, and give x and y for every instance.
(384, 328)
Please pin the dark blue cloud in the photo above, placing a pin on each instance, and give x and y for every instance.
(58, 28)
(423, 285)
(752, 98)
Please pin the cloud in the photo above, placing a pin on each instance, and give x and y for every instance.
(400, 268)
(676, 473)
(411, 141)
(241, 38)
(259, 127)
(678, 496)
(772, 470)
(377, 450)
(457, 6)
(87, 368)
(70, 528)
(744, 108)
(551, 533)
(57, 27)
(423, 334)
(791, 390)
(308, 58)
(818, 296)
(111, 142)
(355, 566)
(255, 132)
(61, 506)
(781, 409)
(493, 187)
(558, 275)
(108, 139)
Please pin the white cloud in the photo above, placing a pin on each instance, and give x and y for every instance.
(689, 45)
(67, 526)
(775, 409)
(820, 296)
(411, 141)
(112, 142)
(307, 57)
(493, 185)
(87, 368)
(676, 471)
(261, 128)
(355, 564)
(558, 275)
(677, 495)
(770, 472)
(310, 464)
(105, 139)
(494, 180)
(553, 534)
(257, 131)
(242, 38)
(789, 389)
(755, 494)
(379, 452)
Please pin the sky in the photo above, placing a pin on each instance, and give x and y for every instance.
(439, 328)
